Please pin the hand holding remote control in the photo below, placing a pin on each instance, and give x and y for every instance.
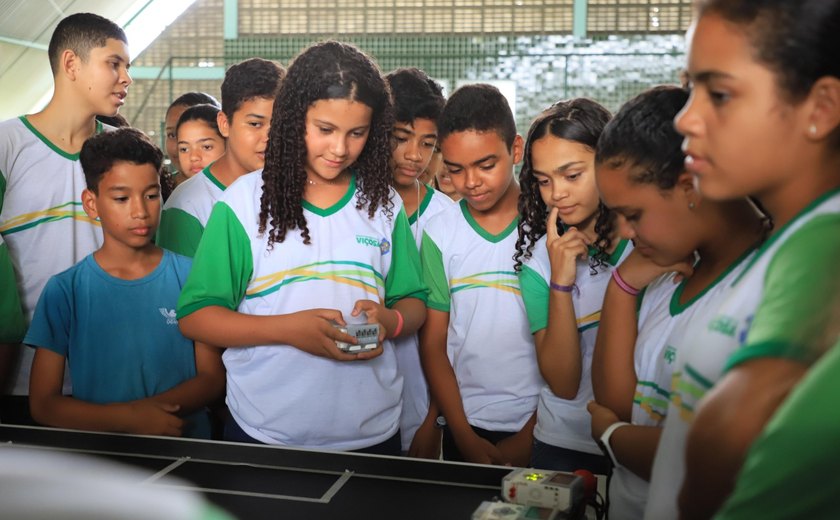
(376, 312)
(318, 332)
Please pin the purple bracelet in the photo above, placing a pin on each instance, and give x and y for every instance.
(624, 286)
(563, 288)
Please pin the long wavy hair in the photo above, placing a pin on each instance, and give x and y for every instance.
(327, 70)
(579, 120)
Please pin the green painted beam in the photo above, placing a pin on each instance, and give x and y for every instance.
(193, 73)
(231, 23)
(579, 18)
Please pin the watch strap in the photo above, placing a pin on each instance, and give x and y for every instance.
(604, 441)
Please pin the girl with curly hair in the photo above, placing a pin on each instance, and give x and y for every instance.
(566, 250)
(315, 240)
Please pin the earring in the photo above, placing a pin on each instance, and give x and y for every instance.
(690, 205)
(812, 129)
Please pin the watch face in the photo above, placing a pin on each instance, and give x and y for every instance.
(440, 422)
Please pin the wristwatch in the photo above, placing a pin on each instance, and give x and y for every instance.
(440, 422)
(604, 441)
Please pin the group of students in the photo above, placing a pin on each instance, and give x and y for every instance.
(196, 128)
(653, 299)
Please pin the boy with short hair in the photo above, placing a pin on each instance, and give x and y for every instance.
(248, 93)
(477, 351)
(418, 102)
(41, 218)
(112, 315)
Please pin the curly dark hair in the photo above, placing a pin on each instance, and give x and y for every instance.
(100, 152)
(327, 70)
(250, 79)
(579, 120)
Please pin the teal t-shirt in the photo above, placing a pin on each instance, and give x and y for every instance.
(120, 337)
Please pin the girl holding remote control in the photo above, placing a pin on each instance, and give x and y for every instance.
(315, 241)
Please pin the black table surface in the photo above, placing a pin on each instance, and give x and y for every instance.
(253, 481)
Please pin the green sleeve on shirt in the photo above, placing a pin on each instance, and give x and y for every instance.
(434, 275)
(403, 279)
(788, 470)
(179, 232)
(222, 267)
(535, 294)
(12, 323)
(800, 308)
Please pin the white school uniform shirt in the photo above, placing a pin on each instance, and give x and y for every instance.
(279, 394)
(744, 326)
(186, 212)
(566, 423)
(41, 217)
(415, 389)
(470, 275)
(662, 323)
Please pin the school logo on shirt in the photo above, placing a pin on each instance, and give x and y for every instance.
(367, 241)
(169, 315)
(383, 245)
(669, 355)
(724, 325)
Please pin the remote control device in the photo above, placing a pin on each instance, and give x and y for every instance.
(504, 511)
(367, 334)
(549, 489)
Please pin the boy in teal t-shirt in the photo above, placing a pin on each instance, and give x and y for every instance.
(112, 315)
(41, 219)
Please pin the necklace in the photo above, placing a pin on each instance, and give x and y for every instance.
(328, 183)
